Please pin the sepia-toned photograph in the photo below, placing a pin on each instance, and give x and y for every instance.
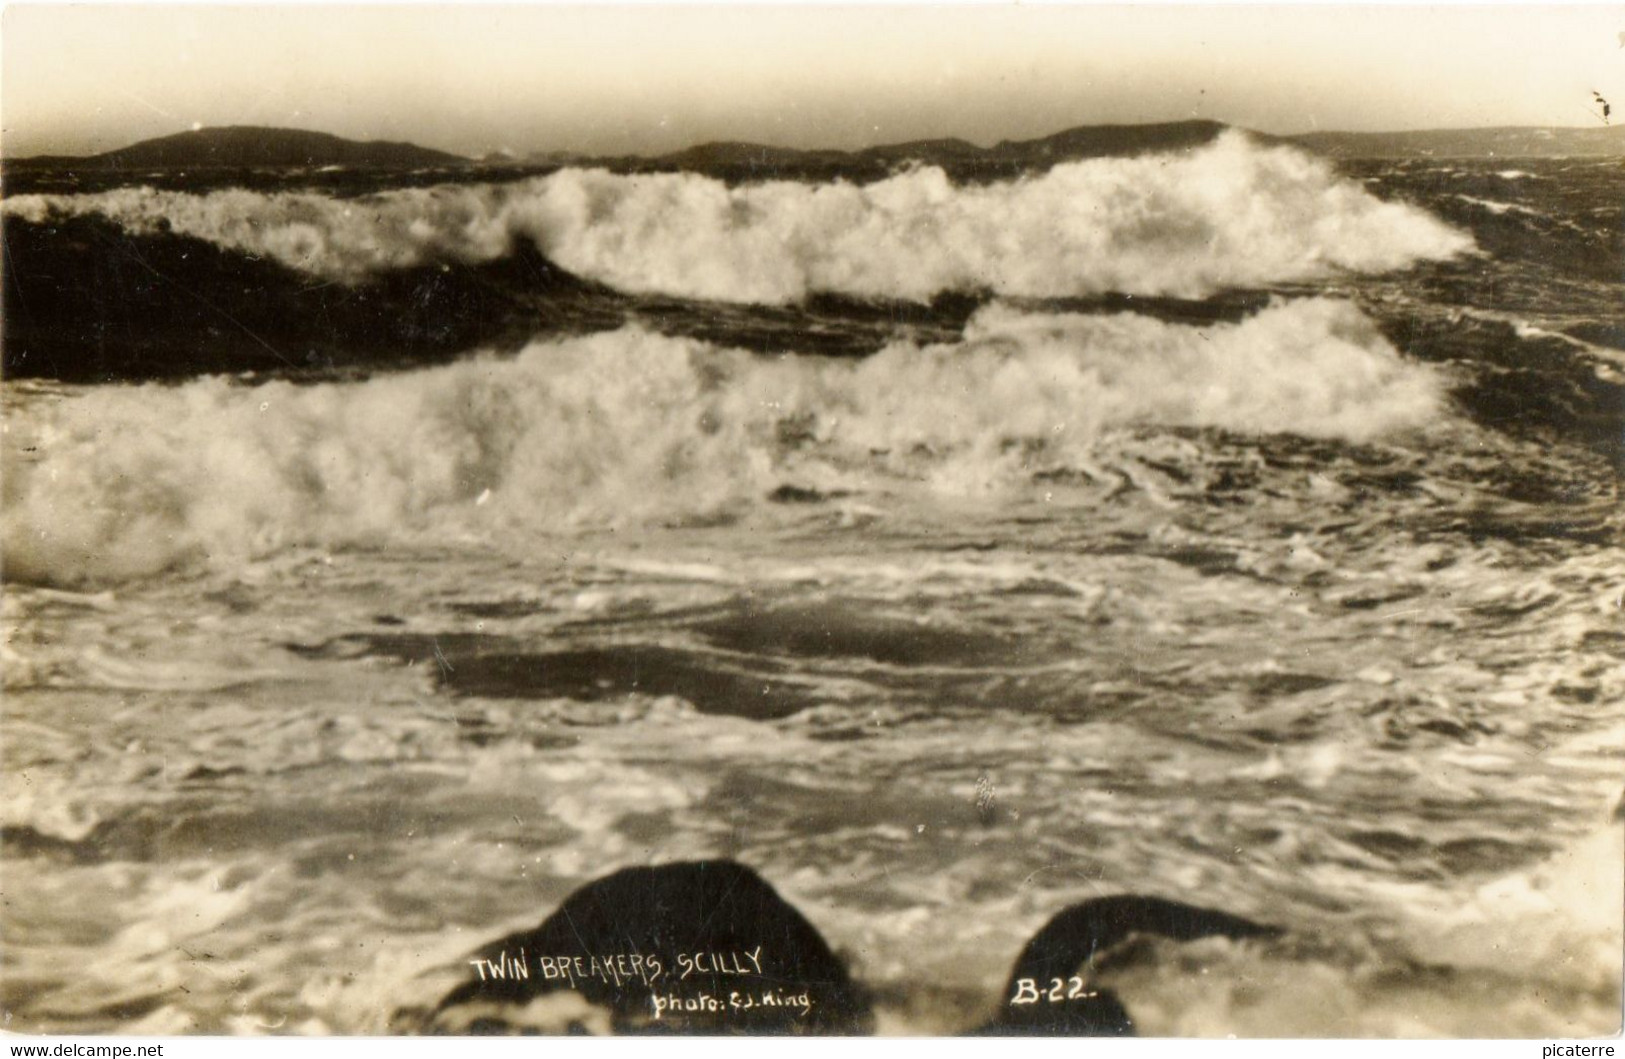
(1065, 520)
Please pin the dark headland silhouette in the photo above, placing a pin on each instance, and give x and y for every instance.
(251, 146)
(1091, 141)
(248, 156)
(244, 147)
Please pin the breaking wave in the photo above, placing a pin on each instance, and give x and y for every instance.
(1232, 214)
(633, 427)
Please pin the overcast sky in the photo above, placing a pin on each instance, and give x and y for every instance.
(653, 78)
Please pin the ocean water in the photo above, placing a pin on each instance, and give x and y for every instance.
(1217, 525)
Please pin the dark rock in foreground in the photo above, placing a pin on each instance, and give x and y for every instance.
(709, 948)
(1050, 992)
(705, 947)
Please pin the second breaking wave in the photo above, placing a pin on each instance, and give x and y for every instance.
(630, 427)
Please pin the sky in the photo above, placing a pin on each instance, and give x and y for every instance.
(650, 78)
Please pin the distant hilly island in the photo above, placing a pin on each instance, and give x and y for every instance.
(247, 146)
(242, 148)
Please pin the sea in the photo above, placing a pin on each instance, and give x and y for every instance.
(386, 557)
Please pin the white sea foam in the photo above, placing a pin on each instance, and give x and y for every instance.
(633, 427)
(1499, 208)
(1233, 214)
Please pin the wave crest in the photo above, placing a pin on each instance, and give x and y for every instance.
(1231, 214)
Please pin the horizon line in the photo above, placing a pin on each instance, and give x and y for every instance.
(1601, 126)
